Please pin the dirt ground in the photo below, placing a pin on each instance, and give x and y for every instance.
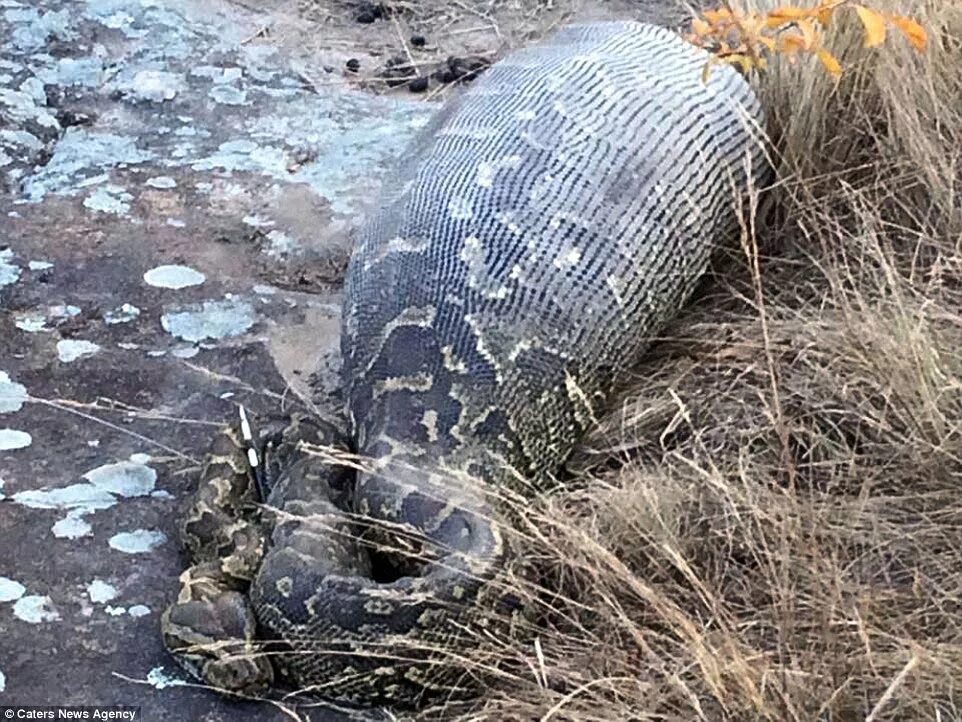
(183, 181)
(424, 34)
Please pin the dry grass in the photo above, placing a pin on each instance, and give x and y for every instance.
(770, 525)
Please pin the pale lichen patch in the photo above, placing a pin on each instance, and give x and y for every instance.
(72, 526)
(110, 199)
(124, 313)
(11, 590)
(101, 592)
(211, 319)
(69, 350)
(35, 609)
(124, 478)
(173, 277)
(11, 439)
(139, 541)
(159, 679)
(9, 272)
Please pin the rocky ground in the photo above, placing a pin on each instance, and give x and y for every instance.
(181, 185)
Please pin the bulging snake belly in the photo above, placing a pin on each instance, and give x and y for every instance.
(542, 228)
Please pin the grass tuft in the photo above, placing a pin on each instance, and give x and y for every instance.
(768, 526)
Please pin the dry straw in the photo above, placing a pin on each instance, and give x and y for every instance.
(768, 526)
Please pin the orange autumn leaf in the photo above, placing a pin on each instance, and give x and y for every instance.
(751, 26)
(912, 31)
(785, 16)
(807, 29)
(829, 62)
(874, 25)
(717, 17)
(787, 13)
(792, 43)
(767, 42)
(701, 27)
(748, 40)
(824, 14)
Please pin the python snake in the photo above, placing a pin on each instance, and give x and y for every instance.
(538, 233)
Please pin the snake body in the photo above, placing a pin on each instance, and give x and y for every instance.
(542, 228)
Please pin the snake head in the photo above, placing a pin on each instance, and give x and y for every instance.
(247, 675)
(213, 639)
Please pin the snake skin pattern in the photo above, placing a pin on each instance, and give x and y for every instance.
(540, 231)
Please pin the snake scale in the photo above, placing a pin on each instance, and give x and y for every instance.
(538, 232)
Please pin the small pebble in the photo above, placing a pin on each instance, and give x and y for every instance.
(418, 41)
(353, 65)
(445, 76)
(397, 71)
(418, 85)
(461, 68)
(368, 12)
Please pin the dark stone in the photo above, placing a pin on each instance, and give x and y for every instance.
(397, 71)
(444, 75)
(418, 85)
(353, 65)
(468, 67)
(68, 118)
(461, 69)
(368, 12)
(418, 41)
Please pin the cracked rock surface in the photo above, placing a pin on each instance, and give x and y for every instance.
(177, 206)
